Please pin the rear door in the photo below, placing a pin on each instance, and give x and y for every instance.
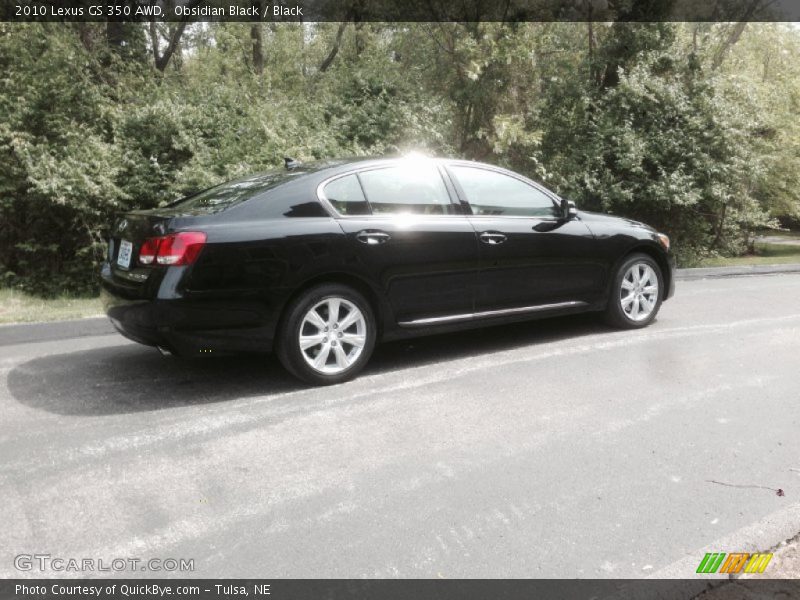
(404, 227)
(528, 256)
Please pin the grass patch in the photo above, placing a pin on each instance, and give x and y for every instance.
(766, 254)
(782, 233)
(18, 307)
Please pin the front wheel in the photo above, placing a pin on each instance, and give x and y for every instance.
(328, 335)
(636, 293)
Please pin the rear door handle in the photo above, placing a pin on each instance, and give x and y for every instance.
(492, 237)
(372, 237)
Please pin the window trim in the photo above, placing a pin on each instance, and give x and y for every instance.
(449, 186)
(500, 171)
(328, 205)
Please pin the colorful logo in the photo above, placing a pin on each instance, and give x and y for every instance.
(716, 562)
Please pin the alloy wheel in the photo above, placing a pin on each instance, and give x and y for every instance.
(332, 335)
(638, 294)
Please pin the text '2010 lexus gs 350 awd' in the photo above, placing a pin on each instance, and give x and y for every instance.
(319, 262)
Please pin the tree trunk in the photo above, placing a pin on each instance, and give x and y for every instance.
(115, 34)
(162, 60)
(258, 48)
(732, 38)
(358, 38)
(720, 223)
(154, 41)
(335, 49)
(85, 35)
(592, 76)
(734, 35)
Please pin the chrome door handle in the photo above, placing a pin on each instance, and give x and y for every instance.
(492, 237)
(372, 237)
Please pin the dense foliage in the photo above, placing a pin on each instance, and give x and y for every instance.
(689, 127)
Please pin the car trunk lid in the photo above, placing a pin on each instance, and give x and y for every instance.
(129, 233)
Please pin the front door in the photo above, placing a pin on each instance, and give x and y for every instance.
(529, 256)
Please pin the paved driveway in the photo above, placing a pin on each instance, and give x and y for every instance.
(557, 448)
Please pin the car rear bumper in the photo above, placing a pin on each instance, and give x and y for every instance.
(186, 327)
(138, 321)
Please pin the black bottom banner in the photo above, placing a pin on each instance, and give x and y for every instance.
(414, 589)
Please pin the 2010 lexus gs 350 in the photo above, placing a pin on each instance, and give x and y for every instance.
(319, 262)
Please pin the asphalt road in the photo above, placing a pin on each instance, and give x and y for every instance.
(549, 449)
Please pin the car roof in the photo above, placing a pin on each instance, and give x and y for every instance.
(333, 167)
(348, 164)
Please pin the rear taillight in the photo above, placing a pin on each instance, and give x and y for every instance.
(174, 249)
(180, 248)
(148, 251)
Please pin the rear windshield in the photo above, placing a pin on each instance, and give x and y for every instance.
(227, 194)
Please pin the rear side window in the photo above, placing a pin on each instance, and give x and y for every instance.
(407, 189)
(493, 193)
(346, 196)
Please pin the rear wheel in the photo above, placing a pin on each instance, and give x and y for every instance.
(328, 335)
(636, 293)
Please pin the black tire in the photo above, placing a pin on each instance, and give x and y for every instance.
(615, 315)
(294, 359)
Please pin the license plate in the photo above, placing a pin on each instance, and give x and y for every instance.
(124, 256)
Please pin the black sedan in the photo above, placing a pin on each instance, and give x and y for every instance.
(319, 262)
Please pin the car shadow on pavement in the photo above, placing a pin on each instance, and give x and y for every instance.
(132, 378)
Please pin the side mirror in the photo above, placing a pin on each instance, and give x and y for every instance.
(573, 210)
(568, 209)
(564, 209)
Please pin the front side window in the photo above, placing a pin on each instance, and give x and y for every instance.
(346, 196)
(406, 189)
(492, 193)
